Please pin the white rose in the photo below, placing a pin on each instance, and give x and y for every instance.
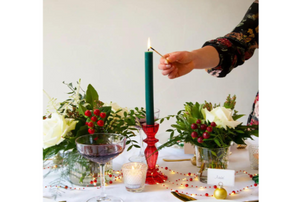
(221, 116)
(55, 128)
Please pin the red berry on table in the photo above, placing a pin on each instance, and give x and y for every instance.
(198, 121)
(200, 139)
(91, 124)
(186, 185)
(100, 123)
(94, 118)
(215, 186)
(255, 184)
(203, 127)
(91, 131)
(206, 135)
(166, 168)
(191, 179)
(194, 126)
(194, 134)
(213, 124)
(97, 112)
(206, 194)
(88, 113)
(103, 115)
(209, 129)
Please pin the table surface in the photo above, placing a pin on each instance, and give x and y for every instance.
(238, 161)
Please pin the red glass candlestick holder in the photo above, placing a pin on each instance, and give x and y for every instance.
(153, 176)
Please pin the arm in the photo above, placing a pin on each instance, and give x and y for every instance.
(218, 56)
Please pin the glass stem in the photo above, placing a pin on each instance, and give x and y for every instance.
(141, 143)
(102, 180)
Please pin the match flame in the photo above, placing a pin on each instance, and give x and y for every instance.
(149, 44)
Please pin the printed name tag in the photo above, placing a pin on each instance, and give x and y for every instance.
(214, 176)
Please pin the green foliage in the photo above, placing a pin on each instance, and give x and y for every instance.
(119, 122)
(219, 137)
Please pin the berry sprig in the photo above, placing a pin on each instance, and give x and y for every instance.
(202, 131)
(95, 119)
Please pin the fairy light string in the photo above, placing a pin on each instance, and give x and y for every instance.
(179, 185)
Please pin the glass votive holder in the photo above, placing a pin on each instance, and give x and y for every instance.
(253, 156)
(134, 176)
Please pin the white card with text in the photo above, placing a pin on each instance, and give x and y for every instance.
(214, 176)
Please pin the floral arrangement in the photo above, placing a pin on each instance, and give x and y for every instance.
(209, 126)
(83, 113)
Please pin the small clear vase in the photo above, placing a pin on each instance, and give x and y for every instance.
(82, 171)
(216, 158)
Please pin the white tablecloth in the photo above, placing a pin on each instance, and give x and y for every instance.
(238, 161)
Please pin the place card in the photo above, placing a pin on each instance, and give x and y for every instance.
(214, 176)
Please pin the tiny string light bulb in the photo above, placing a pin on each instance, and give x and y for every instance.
(149, 47)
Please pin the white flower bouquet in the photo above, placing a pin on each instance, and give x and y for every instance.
(209, 126)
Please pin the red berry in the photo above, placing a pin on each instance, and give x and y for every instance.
(88, 113)
(191, 179)
(198, 121)
(194, 126)
(97, 112)
(95, 181)
(203, 127)
(233, 192)
(206, 135)
(66, 187)
(91, 124)
(100, 123)
(96, 138)
(213, 124)
(103, 115)
(91, 131)
(255, 184)
(110, 175)
(194, 134)
(189, 174)
(200, 139)
(166, 168)
(209, 129)
(206, 194)
(87, 123)
(110, 182)
(186, 185)
(94, 118)
(91, 182)
(215, 186)
(176, 191)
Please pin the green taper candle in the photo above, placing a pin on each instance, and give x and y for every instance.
(149, 86)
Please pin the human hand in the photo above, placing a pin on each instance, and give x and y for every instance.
(179, 63)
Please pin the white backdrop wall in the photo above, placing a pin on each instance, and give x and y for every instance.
(103, 43)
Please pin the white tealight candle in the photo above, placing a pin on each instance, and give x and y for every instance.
(134, 175)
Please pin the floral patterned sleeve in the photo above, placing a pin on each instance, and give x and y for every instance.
(237, 46)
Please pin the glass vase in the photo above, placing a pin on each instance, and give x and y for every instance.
(216, 158)
(83, 172)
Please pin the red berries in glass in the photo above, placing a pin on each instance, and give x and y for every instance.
(97, 112)
(205, 135)
(94, 118)
(200, 139)
(100, 123)
(194, 134)
(91, 124)
(203, 127)
(213, 124)
(88, 113)
(91, 131)
(194, 126)
(209, 129)
(103, 115)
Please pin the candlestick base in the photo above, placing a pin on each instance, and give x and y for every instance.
(153, 176)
